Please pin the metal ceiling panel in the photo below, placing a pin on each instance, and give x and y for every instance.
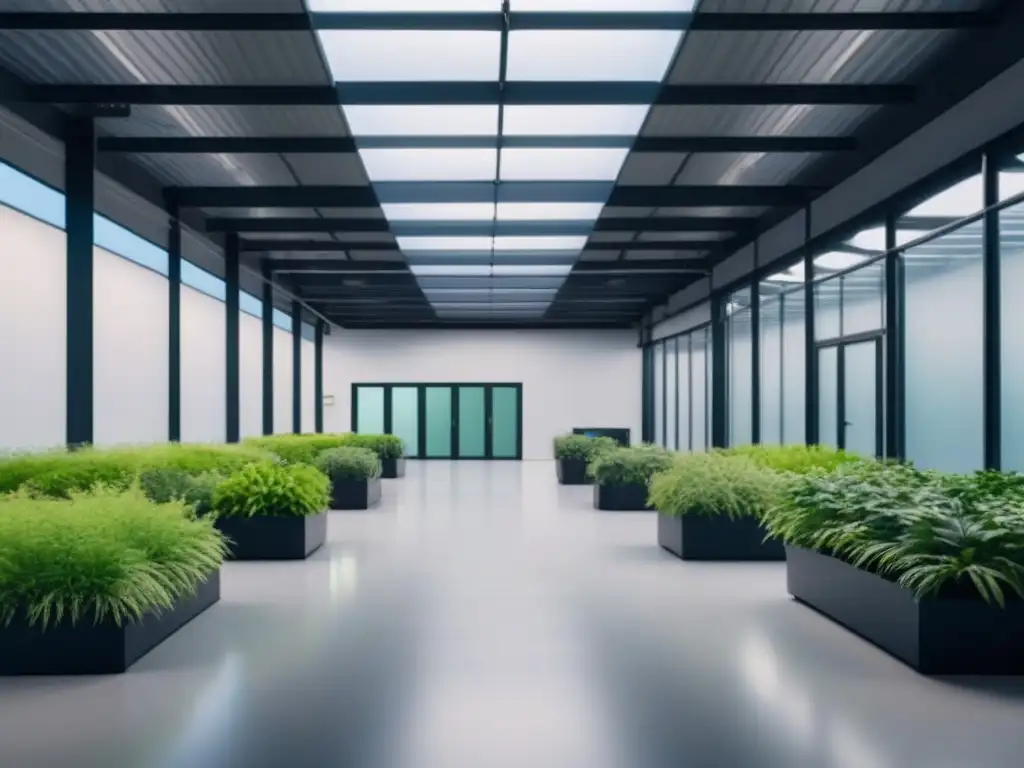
(681, 256)
(337, 169)
(363, 237)
(317, 236)
(157, 6)
(589, 255)
(776, 120)
(754, 168)
(683, 236)
(612, 237)
(395, 255)
(712, 211)
(178, 121)
(260, 213)
(650, 168)
(218, 170)
(613, 212)
(352, 213)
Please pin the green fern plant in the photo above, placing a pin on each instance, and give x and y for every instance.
(582, 447)
(710, 484)
(385, 446)
(629, 466)
(793, 458)
(272, 489)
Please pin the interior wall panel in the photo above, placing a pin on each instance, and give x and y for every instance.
(203, 368)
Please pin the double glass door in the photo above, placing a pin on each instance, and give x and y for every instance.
(850, 384)
(444, 421)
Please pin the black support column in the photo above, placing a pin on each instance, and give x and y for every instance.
(268, 351)
(755, 358)
(810, 351)
(79, 202)
(894, 404)
(296, 368)
(991, 316)
(719, 388)
(231, 347)
(318, 379)
(174, 324)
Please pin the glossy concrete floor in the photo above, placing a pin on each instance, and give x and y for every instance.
(485, 617)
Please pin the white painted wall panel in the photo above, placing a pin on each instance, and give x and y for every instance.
(203, 368)
(570, 378)
(32, 332)
(250, 374)
(130, 378)
(282, 381)
(308, 386)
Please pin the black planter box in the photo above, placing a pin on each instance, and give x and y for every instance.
(270, 537)
(391, 469)
(631, 497)
(700, 537)
(572, 472)
(87, 648)
(939, 636)
(355, 494)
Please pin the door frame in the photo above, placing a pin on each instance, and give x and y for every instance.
(421, 415)
(841, 343)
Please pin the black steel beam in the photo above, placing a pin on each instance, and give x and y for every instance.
(269, 197)
(294, 224)
(711, 195)
(233, 340)
(79, 204)
(657, 245)
(463, 92)
(313, 246)
(334, 144)
(492, 21)
(337, 265)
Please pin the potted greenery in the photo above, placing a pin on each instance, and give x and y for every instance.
(90, 584)
(272, 511)
(928, 566)
(621, 476)
(710, 508)
(296, 449)
(389, 449)
(574, 452)
(354, 477)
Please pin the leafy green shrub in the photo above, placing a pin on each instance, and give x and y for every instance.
(104, 554)
(349, 464)
(385, 446)
(59, 473)
(627, 466)
(793, 458)
(167, 484)
(933, 533)
(272, 489)
(712, 484)
(297, 449)
(582, 447)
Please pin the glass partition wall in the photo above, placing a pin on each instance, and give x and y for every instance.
(900, 337)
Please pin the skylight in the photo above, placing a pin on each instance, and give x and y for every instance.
(439, 211)
(526, 243)
(549, 211)
(422, 120)
(367, 55)
(539, 164)
(388, 6)
(609, 55)
(430, 164)
(602, 5)
(578, 120)
(444, 243)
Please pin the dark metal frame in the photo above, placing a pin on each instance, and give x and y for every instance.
(840, 344)
(421, 426)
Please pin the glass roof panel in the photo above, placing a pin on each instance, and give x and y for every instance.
(388, 6)
(439, 211)
(961, 199)
(610, 55)
(422, 120)
(512, 305)
(444, 243)
(578, 120)
(521, 270)
(528, 164)
(602, 5)
(526, 243)
(444, 270)
(839, 260)
(549, 211)
(430, 164)
(367, 55)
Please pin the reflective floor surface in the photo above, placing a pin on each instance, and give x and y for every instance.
(486, 617)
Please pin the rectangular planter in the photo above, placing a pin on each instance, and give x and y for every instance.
(621, 498)
(939, 636)
(698, 537)
(355, 494)
(87, 648)
(270, 537)
(572, 472)
(391, 469)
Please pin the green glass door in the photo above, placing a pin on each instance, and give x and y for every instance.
(472, 422)
(438, 422)
(369, 410)
(405, 418)
(504, 426)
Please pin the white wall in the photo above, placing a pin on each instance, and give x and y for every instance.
(32, 332)
(203, 368)
(250, 375)
(308, 386)
(130, 377)
(570, 378)
(282, 381)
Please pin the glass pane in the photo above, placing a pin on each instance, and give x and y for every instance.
(403, 5)
(523, 164)
(405, 421)
(860, 389)
(610, 54)
(439, 211)
(659, 393)
(670, 394)
(439, 422)
(404, 55)
(944, 342)
(478, 243)
(864, 299)
(370, 410)
(698, 379)
(1011, 180)
(471, 423)
(771, 369)
(826, 309)
(504, 422)
(960, 200)
(1011, 254)
(524, 270)
(602, 5)
(549, 211)
(586, 120)
(794, 368)
(683, 377)
(828, 396)
(430, 164)
(528, 243)
(422, 120)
